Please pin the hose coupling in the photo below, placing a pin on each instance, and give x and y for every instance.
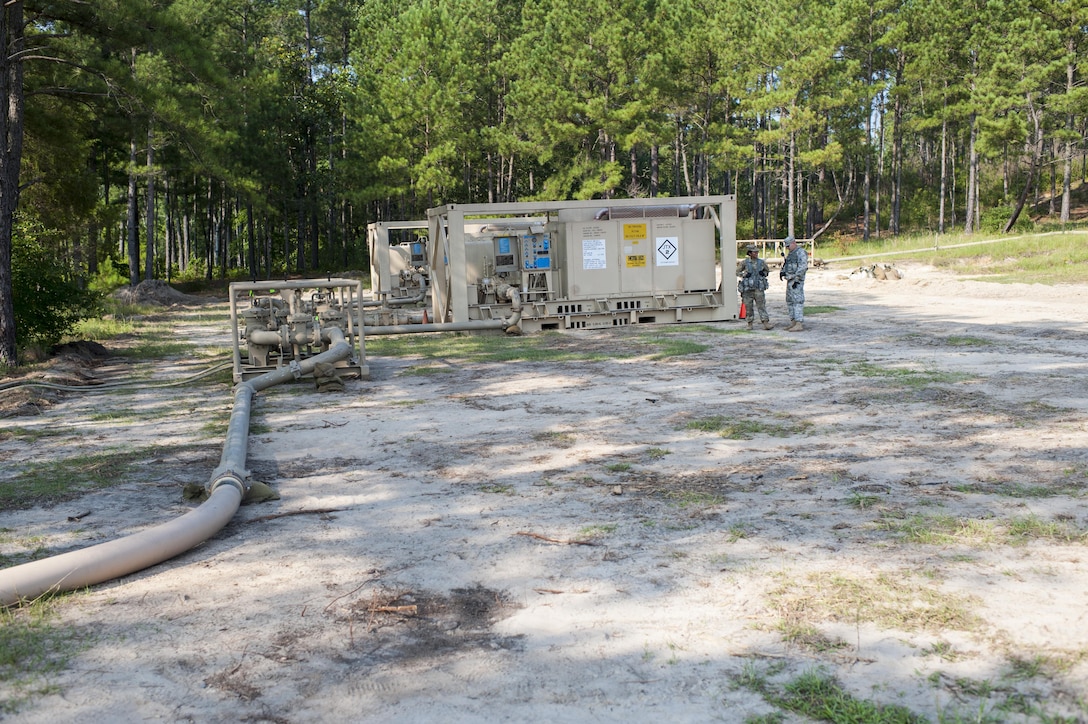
(229, 477)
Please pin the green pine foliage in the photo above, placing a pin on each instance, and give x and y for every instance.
(49, 299)
(212, 138)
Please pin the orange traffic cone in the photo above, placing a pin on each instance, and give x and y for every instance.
(743, 311)
(425, 316)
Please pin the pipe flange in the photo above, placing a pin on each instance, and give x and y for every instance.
(232, 479)
(296, 369)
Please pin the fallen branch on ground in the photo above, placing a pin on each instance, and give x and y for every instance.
(273, 516)
(556, 540)
(413, 609)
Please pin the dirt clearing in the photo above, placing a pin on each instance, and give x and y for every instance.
(892, 501)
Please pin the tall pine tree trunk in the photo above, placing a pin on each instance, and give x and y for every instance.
(133, 245)
(655, 168)
(149, 206)
(944, 174)
(1067, 168)
(972, 176)
(897, 149)
(1037, 152)
(867, 190)
(11, 155)
(791, 193)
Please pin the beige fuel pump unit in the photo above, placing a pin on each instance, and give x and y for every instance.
(399, 271)
(281, 324)
(582, 264)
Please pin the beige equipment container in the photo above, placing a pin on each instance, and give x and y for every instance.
(583, 264)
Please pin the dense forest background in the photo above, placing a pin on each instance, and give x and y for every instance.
(189, 139)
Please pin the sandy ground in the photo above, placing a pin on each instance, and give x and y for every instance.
(576, 542)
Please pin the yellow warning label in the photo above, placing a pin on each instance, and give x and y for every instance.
(636, 260)
(634, 231)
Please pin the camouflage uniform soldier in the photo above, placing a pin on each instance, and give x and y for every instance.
(753, 274)
(793, 271)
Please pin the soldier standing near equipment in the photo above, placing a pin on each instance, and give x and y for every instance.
(793, 271)
(753, 274)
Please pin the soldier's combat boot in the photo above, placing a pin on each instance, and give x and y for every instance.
(767, 324)
(796, 327)
(751, 323)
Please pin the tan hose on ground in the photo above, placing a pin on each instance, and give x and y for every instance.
(116, 558)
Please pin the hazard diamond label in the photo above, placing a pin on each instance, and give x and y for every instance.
(668, 251)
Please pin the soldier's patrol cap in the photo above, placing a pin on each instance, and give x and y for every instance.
(752, 247)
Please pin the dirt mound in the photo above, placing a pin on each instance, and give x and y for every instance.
(83, 349)
(70, 364)
(155, 291)
(24, 402)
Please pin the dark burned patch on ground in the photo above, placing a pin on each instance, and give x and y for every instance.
(404, 625)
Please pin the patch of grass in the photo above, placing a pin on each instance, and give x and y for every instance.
(215, 428)
(1030, 528)
(670, 346)
(406, 403)
(103, 329)
(897, 602)
(121, 415)
(861, 501)
(714, 423)
(147, 349)
(555, 438)
(963, 685)
(1025, 669)
(597, 531)
(939, 529)
(821, 309)
(31, 547)
(119, 319)
(32, 649)
(498, 488)
(694, 499)
(692, 329)
(942, 649)
(51, 480)
(32, 434)
(736, 532)
(946, 530)
(618, 467)
(809, 638)
(1021, 490)
(966, 341)
(818, 696)
(656, 453)
(904, 376)
(544, 347)
(734, 429)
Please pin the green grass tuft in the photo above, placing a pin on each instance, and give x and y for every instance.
(32, 649)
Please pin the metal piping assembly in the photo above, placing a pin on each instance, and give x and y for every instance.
(227, 487)
(279, 324)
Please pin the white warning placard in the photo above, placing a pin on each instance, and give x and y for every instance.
(667, 250)
(593, 254)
